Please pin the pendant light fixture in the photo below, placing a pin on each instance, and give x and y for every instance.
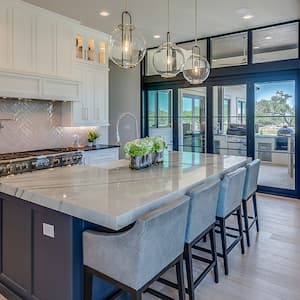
(196, 68)
(126, 46)
(168, 59)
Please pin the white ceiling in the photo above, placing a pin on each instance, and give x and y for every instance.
(150, 16)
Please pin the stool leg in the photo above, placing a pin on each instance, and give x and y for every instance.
(180, 279)
(204, 239)
(136, 295)
(246, 221)
(239, 217)
(88, 284)
(224, 244)
(214, 253)
(255, 211)
(189, 270)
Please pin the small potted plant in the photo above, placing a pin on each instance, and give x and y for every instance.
(92, 137)
(140, 153)
(159, 145)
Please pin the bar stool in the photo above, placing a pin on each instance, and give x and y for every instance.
(229, 202)
(134, 259)
(201, 221)
(250, 189)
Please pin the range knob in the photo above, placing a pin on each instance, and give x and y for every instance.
(55, 162)
(9, 169)
(18, 167)
(2, 170)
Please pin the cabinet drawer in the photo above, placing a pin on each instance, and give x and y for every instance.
(98, 157)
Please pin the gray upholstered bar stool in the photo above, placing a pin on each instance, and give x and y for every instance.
(134, 259)
(201, 221)
(229, 202)
(250, 189)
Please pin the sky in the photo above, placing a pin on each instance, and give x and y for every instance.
(267, 90)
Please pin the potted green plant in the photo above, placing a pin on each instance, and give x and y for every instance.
(92, 137)
(159, 145)
(140, 153)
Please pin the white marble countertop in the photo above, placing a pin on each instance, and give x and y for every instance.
(114, 196)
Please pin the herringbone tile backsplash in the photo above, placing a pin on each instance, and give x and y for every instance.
(36, 125)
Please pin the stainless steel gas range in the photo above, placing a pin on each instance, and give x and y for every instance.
(20, 162)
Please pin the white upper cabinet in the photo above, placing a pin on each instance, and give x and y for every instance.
(91, 46)
(92, 109)
(101, 96)
(23, 39)
(45, 45)
(65, 51)
(5, 35)
(35, 40)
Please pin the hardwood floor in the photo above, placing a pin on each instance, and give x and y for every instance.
(270, 269)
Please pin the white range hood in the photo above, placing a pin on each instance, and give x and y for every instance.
(33, 86)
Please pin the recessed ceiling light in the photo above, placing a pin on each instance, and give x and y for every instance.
(156, 36)
(104, 13)
(268, 37)
(248, 17)
(256, 47)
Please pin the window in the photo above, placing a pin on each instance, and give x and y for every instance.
(229, 50)
(241, 111)
(275, 43)
(160, 108)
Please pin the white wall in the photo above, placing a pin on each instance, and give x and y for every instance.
(124, 96)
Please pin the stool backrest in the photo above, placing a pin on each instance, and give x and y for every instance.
(231, 192)
(136, 256)
(202, 208)
(250, 186)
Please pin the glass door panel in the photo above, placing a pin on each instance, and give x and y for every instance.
(229, 120)
(275, 133)
(192, 119)
(160, 120)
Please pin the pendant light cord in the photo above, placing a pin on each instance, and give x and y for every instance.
(196, 21)
(168, 15)
(126, 5)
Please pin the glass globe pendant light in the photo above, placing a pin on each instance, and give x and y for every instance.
(126, 46)
(168, 59)
(196, 68)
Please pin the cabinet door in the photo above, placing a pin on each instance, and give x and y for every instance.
(88, 95)
(16, 243)
(65, 50)
(101, 97)
(45, 45)
(23, 39)
(5, 36)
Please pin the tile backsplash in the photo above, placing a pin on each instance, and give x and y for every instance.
(36, 125)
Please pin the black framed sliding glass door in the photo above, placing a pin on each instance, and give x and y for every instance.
(230, 119)
(275, 134)
(192, 119)
(158, 114)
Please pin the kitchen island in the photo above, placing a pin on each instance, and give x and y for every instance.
(44, 213)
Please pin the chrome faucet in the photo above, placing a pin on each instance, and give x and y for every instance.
(123, 115)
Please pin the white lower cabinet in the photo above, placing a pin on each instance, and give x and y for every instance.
(101, 156)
